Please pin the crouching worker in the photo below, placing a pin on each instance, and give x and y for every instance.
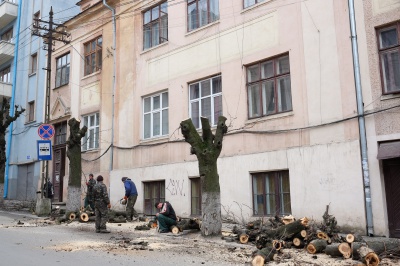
(101, 205)
(166, 217)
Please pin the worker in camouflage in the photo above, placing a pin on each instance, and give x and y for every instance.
(101, 205)
(89, 194)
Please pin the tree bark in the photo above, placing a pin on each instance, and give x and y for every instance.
(333, 250)
(75, 164)
(316, 246)
(207, 149)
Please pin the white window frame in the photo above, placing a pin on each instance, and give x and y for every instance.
(152, 111)
(91, 139)
(213, 121)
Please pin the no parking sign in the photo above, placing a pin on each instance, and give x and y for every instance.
(46, 131)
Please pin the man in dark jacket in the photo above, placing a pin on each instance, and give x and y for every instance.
(131, 196)
(166, 217)
(101, 204)
(89, 193)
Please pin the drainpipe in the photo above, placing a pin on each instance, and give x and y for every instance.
(114, 83)
(361, 121)
(12, 101)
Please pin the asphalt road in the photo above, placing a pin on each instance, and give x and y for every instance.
(33, 243)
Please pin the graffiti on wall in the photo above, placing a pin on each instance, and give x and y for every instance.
(175, 187)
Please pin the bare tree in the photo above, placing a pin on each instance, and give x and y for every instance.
(207, 149)
(75, 164)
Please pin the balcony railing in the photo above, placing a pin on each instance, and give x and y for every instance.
(8, 11)
(5, 89)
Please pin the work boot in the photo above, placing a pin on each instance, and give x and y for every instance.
(105, 231)
(97, 231)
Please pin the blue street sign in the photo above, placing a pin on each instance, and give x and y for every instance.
(46, 131)
(44, 150)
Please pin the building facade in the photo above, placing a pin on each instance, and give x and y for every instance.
(27, 77)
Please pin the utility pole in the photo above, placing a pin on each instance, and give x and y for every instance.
(48, 31)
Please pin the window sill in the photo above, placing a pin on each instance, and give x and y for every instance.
(60, 86)
(91, 75)
(254, 6)
(91, 151)
(202, 28)
(154, 47)
(269, 117)
(154, 140)
(385, 97)
(29, 122)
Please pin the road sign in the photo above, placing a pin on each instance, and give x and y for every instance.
(46, 131)
(44, 150)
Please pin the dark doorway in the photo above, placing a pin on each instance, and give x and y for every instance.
(391, 170)
(59, 150)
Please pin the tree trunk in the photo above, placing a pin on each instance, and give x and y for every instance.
(207, 149)
(316, 246)
(345, 249)
(75, 164)
(333, 250)
(368, 256)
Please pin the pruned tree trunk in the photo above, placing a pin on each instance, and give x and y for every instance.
(207, 149)
(75, 164)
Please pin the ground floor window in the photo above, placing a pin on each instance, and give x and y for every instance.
(271, 193)
(153, 192)
(195, 200)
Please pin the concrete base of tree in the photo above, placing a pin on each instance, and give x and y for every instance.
(1, 196)
(74, 199)
(43, 207)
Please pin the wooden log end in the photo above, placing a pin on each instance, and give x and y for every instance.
(311, 249)
(84, 217)
(258, 260)
(304, 221)
(174, 229)
(303, 233)
(244, 238)
(372, 259)
(350, 238)
(71, 216)
(345, 249)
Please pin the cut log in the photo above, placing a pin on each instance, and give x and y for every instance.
(243, 238)
(322, 235)
(333, 250)
(303, 233)
(71, 216)
(188, 224)
(316, 246)
(263, 255)
(83, 217)
(288, 219)
(143, 219)
(368, 256)
(355, 246)
(383, 246)
(350, 238)
(298, 243)
(345, 249)
(152, 224)
(174, 229)
(278, 244)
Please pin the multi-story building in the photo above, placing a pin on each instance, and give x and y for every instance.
(280, 71)
(23, 62)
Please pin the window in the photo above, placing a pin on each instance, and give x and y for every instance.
(5, 75)
(205, 100)
(155, 26)
(33, 67)
(62, 70)
(7, 36)
(389, 55)
(93, 58)
(31, 111)
(268, 87)
(35, 21)
(271, 193)
(153, 192)
(195, 188)
(91, 140)
(155, 115)
(60, 133)
(201, 13)
(247, 3)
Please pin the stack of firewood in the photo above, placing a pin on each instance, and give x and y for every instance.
(272, 236)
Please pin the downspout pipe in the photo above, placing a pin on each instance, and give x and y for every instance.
(114, 82)
(12, 104)
(361, 121)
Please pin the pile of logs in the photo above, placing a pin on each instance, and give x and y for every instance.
(272, 236)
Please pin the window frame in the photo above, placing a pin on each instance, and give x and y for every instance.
(60, 68)
(277, 192)
(195, 181)
(33, 64)
(214, 118)
(6, 74)
(382, 51)
(35, 20)
(209, 20)
(256, 3)
(152, 112)
(88, 51)
(9, 34)
(60, 136)
(89, 144)
(31, 111)
(150, 200)
(275, 77)
(159, 20)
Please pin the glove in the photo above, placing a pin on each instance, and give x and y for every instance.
(109, 205)
(125, 197)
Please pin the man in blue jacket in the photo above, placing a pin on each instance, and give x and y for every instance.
(131, 197)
